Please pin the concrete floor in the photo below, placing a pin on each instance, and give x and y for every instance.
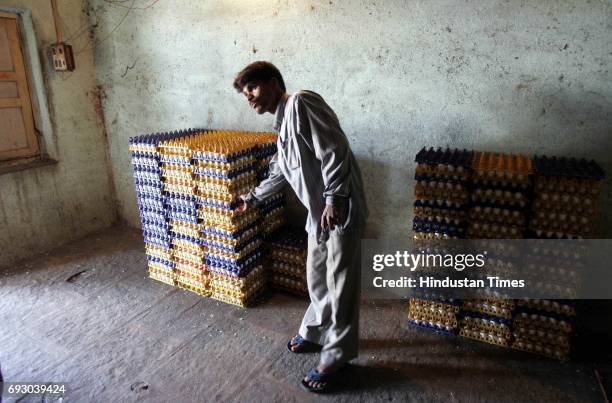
(114, 335)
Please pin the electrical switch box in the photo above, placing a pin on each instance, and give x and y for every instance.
(62, 57)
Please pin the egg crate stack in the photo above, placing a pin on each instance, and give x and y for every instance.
(434, 314)
(566, 202)
(226, 167)
(487, 319)
(541, 331)
(287, 254)
(272, 212)
(151, 202)
(441, 193)
(266, 148)
(500, 196)
(182, 203)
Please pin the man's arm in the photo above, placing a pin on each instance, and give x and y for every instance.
(329, 145)
(274, 183)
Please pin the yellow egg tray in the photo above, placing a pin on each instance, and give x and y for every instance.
(495, 308)
(484, 336)
(539, 335)
(158, 251)
(541, 349)
(297, 271)
(289, 283)
(547, 305)
(533, 320)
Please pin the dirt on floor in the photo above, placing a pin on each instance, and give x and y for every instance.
(88, 315)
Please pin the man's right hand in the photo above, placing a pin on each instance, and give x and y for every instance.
(243, 205)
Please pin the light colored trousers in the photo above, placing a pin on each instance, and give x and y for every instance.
(334, 284)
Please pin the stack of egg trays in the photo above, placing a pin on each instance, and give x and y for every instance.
(287, 254)
(182, 205)
(232, 239)
(544, 327)
(441, 193)
(266, 148)
(488, 319)
(500, 197)
(149, 191)
(566, 202)
(272, 211)
(434, 312)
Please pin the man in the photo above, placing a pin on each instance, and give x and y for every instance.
(315, 159)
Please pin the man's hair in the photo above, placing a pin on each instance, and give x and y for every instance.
(264, 71)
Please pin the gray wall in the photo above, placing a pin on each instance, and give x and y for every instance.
(529, 76)
(43, 207)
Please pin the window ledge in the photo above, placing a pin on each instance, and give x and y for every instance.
(25, 163)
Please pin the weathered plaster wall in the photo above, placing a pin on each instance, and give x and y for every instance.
(43, 207)
(530, 76)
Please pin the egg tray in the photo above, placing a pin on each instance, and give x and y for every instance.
(486, 324)
(564, 272)
(288, 269)
(183, 244)
(252, 245)
(498, 215)
(214, 231)
(434, 306)
(479, 230)
(235, 266)
(498, 198)
(447, 319)
(538, 335)
(562, 231)
(429, 236)
(234, 189)
(289, 284)
(424, 190)
(231, 224)
(502, 310)
(274, 213)
(147, 173)
(253, 289)
(220, 246)
(272, 224)
(158, 239)
(438, 327)
(568, 168)
(427, 173)
(448, 214)
(502, 165)
(287, 255)
(158, 251)
(155, 275)
(238, 301)
(235, 157)
(195, 287)
(421, 225)
(546, 350)
(237, 283)
(484, 336)
(565, 308)
(151, 201)
(197, 268)
(445, 158)
(541, 320)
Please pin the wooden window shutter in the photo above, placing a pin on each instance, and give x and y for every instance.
(17, 131)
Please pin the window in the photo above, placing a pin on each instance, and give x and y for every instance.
(18, 137)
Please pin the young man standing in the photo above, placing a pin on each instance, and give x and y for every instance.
(315, 159)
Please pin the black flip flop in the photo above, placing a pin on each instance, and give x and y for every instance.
(306, 346)
(330, 379)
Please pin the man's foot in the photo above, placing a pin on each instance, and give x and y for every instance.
(300, 345)
(321, 378)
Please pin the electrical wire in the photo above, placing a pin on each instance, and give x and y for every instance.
(97, 43)
(58, 32)
(120, 3)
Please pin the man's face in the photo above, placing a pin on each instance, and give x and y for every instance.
(260, 95)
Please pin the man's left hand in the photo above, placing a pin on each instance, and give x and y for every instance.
(333, 214)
